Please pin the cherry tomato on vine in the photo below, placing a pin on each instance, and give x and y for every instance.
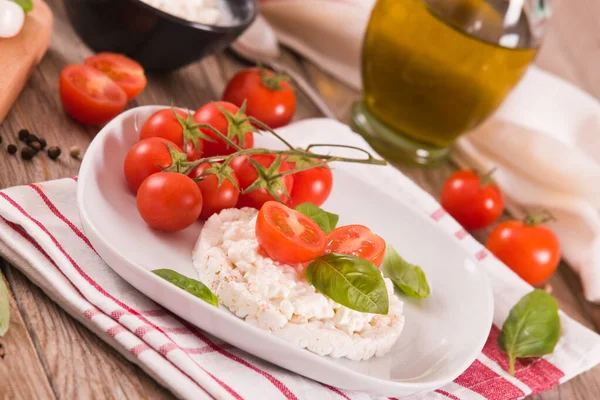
(233, 125)
(270, 98)
(125, 72)
(356, 240)
(474, 202)
(216, 198)
(247, 175)
(312, 185)
(165, 124)
(89, 96)
(532, 251)
(147, 158)
(169, 201)
(288, 236)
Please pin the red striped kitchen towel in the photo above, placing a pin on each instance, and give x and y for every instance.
(40, 234)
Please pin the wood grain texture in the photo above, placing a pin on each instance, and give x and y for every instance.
(59, 358)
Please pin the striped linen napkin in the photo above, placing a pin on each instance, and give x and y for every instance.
(40, 234)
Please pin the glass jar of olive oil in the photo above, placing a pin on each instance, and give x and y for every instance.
(434, 69)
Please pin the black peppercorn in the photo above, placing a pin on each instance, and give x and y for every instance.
(23, 134)
(12, 149)
(31, 138)
(43, 143)
(27, 153)
(54, 152)
(35, 145)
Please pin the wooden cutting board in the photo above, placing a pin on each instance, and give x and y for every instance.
(20, 55)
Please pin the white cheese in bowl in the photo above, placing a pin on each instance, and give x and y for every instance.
(277, 297)
(208, 12)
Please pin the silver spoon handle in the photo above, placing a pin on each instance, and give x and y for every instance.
(308, 90)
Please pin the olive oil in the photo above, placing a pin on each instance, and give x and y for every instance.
(434, 69)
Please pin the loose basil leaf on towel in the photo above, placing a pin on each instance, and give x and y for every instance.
(26, 5)
(532, 328)
(350, 281)
(326, 220)
(190, 285)
(409, 278)
(4, 307)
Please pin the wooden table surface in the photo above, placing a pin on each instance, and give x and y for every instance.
(50, 355)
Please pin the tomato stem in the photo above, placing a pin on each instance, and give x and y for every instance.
(537, 218)
(487, 177)
(271, 131)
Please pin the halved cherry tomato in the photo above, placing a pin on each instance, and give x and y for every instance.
(89, 96)
(125, 72)
(240, 132)
(169, 201)
(270, 98)
(288, 236)
(531, 251)
(312, 185)
(216, 198)
(146, 158)
(474, 203)
(357, 240)
(246, 173)
(165, 124)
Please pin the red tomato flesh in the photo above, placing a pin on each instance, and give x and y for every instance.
(356, 240)
(288, 236)
(125, 72)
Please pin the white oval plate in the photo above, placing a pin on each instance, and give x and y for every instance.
(443, 334)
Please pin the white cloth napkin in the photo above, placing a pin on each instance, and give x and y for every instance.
(544, 140)
(40, 234)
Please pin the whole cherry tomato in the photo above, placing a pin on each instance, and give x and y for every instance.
(269, 96)
(237, 128)
(473, 202)
(169, 201)
(288, 236)
(125, 72)
(247, 175)
(146, 158)
(312, 185)
(532, 251)
(216, 198)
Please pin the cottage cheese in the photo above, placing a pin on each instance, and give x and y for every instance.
(277, 297)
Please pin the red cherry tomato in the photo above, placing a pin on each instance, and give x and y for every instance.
(169, 201)
(146, 158)
(356, 240)
(210, 114)
(165, 124)
(215, 198)
(125, 72)
(312, 185)
(531, 251)
(246, 173)
(473, 204)
(89, 96)
(268, 98)
(288, 236)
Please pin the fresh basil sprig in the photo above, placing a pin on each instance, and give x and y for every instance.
(326, 220)
(409, 278)
(190, 285)
(350, 281)
(4, 308)
(532, 328)
(26, 5)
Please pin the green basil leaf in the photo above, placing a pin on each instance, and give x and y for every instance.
(326, 220)
(350, 281)
(26, 5)
(409, 278)
(532, 328)
(190, 285)
(4, 307)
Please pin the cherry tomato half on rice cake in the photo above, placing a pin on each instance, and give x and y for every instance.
(357, 240)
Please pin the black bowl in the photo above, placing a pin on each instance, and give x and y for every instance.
(157, 40)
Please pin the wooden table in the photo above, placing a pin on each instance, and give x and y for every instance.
(50, 355)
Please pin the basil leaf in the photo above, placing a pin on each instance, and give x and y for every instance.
(532, 328)
(190, 285)
(26, 5)
(326, 220)
(4, 307)
(350, 281)
(409, 278)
